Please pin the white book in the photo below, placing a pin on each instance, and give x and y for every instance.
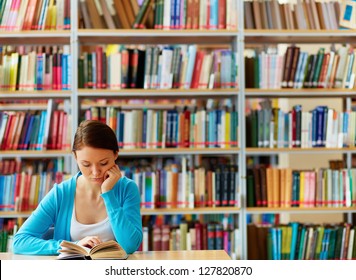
(128, 124)
(203, 20)
(329, 128)
(167, 14)
(3, 125)
(166, 69)
(6, 15)
(205, 71)
(50, 109)
(114, 71)
(192, 50)
(351, 244)
(330, 66)
(340, 135)
(341, 69)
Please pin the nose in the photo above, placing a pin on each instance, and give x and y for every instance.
(96, 170)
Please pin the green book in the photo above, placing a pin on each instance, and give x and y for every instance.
(318, 247)
(318, 65)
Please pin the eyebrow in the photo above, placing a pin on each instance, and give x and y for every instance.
(99, 160)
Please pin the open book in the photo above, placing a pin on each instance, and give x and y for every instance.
(106, 250)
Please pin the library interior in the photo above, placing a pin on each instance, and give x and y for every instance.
(250, 156)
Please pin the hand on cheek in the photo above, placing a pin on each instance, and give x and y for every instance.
(111, 176)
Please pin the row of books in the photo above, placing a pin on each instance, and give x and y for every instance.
(12, 166)
(35, 68)
(297, 241)
(23, 191)
(299, 14)
(16, 15)
(320, 127)
(300, 69)
(189, 235)
(8, 228)
(158, 67)
(177, 186)
(174, 128)
(35, 130)
(159, 14)
(285, 187)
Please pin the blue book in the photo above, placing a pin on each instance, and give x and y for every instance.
(39, 71)
(28, 133)
(293, 244)
(40, 138)
(2, 189)
(144, 128)
(217, 126)
(94, 68)
(65, 71)
(213, 20)
(148, 190)
(192, 51)
(122, 128)
(345, 127)
(302, 243)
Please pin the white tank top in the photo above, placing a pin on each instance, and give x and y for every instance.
(102, 229)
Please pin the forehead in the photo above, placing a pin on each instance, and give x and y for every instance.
(94, 154)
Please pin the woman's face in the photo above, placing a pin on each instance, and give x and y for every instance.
(94, 162)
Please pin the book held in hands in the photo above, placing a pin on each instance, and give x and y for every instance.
(103, 251)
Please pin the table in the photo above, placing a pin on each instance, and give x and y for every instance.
(152, 255)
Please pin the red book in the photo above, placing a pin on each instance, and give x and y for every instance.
(157, 238)
(165, 237)
(54, 131)
(54, 71)
(198, 235)
(197, 68)
(60, 131)
(59, 71)
(7, 131)
(222, 14)
(99, 67)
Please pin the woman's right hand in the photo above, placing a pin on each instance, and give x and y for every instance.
(89, 241)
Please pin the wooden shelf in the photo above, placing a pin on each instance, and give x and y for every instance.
(314, 210)
(258, 36)
(202, 210)
(271, 151)
(300, 93)
(154, 36)
(15, 214)
(179, 151)
(36, 94)
(35, 37)
(34, 153)
(157, 93)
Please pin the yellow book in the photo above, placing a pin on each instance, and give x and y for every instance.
(227, 129)
(48, 18)
(37, 190)
(301, 190)
(53, 22)
(13, 71)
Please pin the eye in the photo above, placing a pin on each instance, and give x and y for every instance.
(85, 164)
(103, 163)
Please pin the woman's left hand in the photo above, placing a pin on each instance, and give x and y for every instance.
(111, 176)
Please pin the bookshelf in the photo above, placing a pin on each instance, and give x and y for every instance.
(238, 40)
(272, 37)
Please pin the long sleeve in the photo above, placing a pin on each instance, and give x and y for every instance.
(54, 209)
(123, 208)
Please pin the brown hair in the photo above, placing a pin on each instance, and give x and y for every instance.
(95, 134)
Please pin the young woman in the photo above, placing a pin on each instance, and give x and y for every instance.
(95, 205)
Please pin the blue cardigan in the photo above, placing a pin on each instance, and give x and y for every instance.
(55, 209)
